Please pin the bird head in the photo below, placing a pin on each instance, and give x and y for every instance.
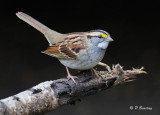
(100, 38)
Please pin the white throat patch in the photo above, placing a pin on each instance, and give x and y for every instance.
(103, 45)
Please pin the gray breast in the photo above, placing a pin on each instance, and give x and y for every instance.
(86, 59)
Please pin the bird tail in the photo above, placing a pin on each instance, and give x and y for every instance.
(33, 22)
(51, 35)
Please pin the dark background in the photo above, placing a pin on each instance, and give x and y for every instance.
(134, 26)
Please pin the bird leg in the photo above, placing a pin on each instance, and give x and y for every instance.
(69, 76)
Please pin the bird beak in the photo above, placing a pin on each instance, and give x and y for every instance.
(110, 39)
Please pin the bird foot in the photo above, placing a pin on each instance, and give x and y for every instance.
(69, 76)
(72, 78)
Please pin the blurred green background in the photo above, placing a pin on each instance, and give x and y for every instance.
(134, 26)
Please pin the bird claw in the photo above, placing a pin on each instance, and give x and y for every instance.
(72, 78)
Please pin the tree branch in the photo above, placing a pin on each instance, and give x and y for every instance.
(49, 95)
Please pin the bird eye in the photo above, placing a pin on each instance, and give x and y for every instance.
(89, 37)
(100, 36)
(104, 35)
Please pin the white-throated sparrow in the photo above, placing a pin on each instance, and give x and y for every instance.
(77, 50)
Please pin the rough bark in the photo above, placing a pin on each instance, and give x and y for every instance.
(49, 95)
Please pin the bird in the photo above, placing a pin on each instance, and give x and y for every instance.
(75, 50)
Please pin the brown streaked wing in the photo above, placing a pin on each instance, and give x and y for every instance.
(67, 49)
(76, 43)
(76, 48)
(54, 51)
(60, 51)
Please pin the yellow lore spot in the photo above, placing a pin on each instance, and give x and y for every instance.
(104, 35)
